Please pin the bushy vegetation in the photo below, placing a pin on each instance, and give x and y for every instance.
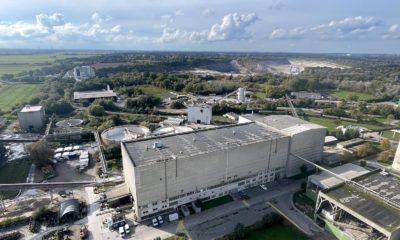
(40, 153)
(143, 103)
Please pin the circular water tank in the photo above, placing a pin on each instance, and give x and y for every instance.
(171, 130)
(123, 133)
(69, 123)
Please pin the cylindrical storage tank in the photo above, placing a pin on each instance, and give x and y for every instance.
(69, 123)
(241, 95)
(123, 133)
(171, 130)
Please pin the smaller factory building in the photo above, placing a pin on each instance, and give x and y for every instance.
(84, 72)
(200, 114)
(93, 95)
(368, 207)
(32, 118)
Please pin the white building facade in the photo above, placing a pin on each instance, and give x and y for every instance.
(304, 94)
(200, 114)
(201, 165)
(84, 72)
(306, 139)
(32, 118)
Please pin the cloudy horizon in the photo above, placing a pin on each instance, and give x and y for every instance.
(256, 26)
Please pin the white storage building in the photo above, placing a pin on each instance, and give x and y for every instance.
(163, 173)
(307, 139)
(200, 114)
(32, 118)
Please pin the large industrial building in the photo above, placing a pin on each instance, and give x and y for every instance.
(306, 139)
(32, 118)
(165, 172)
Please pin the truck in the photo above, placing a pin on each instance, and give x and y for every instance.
(173, 217)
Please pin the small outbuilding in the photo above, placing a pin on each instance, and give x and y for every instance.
(69, 210)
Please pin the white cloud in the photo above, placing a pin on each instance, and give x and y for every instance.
(393, 32)
(233, 26)
(347, 27)
(179, 13)
(174, 35)
(394, 28)
(208, 12)
(54, 29)
(277, 6)
(45, 20)
(97, 18)
(292, 34)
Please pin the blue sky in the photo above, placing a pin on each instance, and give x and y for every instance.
(346, 26)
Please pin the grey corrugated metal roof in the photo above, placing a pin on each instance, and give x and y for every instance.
(349, 171)
(94, 94)
(199, 142)
(28, 108)
(284, 123)
(69, 206)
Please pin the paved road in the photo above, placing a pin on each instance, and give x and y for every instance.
(284, 205)
(206, 225)
(219, 221)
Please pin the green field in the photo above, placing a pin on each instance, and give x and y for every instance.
(15, 171)
(346, 94)
(391, 135)
(40, 57)
(17, 63)
(331, 123)
(281, 232)
(13, 94)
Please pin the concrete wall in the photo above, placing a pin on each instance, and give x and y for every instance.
(129, 173)
(309, 145)
(335, 231)
(396, 161)
(32, 120)
(178, 181)
(200, 114)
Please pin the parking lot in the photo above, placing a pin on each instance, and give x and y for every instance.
(212, 223)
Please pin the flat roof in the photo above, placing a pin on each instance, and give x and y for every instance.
(94, 94)
(284, 123)
(349, 171)
(199, 142)
(387, 186)
(367, 206)
(31, 108)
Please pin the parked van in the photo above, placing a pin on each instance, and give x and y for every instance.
(121, 231)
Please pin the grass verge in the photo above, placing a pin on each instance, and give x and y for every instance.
(15, 171)
(281, 232)
(331, 123)
(216, 202)
(391, 135)
(347, 94)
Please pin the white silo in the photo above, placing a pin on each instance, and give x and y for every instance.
(396, 160)
(241, 95)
